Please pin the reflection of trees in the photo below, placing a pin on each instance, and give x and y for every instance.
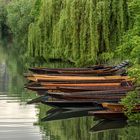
(3, 77)
(78, 129)
(10, 79)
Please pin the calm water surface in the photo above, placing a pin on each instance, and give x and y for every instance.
(19, 121)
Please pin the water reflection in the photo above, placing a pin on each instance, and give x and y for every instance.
(105, 125)
(16, 118)
(59, 114)
(19, 121)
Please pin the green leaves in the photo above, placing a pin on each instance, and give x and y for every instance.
(80, 31)
(130, 102)
(19, 18)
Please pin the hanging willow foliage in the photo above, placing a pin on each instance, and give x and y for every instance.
(77, 30)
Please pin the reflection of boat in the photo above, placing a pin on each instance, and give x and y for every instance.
(58, 114)
(108, 125)
(108, 114)
(38, 99)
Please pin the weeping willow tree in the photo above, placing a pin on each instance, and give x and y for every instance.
(82, 31)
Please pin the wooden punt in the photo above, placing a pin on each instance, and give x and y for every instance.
(93, 96)
(81, 89)
(119, 72)
(55, 70)
(77, 89)
(107, 71)
(87, 69)
(118, 107)
(102, 92)
(108, 114)
(36, 77)
(74, 82)
(81, 85)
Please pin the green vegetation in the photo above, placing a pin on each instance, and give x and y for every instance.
(130, 45)
(130, 102)
(84, 32)
(18, 19)
(80, 31)
(2, 17)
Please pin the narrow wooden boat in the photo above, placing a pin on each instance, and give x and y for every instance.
(107, 71)
(123, 82)
(108, 114)
(102, 92)
(75, 70)
(119, 107)
(81, 89)
(36, 77)
(81, 85)
(55, 70)
(87, 96)
(78, 89)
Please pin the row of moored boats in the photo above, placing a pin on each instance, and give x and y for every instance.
(99, 88)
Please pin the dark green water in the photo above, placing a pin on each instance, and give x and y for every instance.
(19, 121)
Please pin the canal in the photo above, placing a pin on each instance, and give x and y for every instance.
(19, 121)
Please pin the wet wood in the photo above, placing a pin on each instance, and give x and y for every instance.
(36, 77)
(79, 89)
(118, 107)
(86, 97)
(83, 85)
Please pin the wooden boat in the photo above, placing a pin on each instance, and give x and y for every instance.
(41, 70)
(119, 107)
(77, 89)
(102, 92)
(38, 78)
(81, 89)
(86, 97)
(108, 114)
(82, 85)
(91, 69)
(106, 71)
